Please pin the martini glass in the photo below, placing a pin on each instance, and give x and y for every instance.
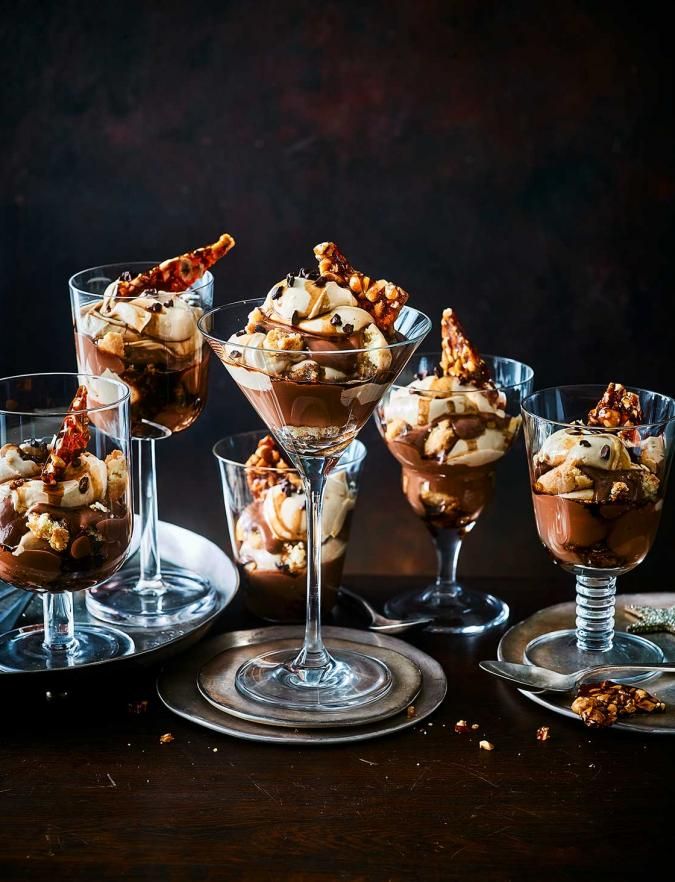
(168, 379)
(597, 541)
(94, 513)
(314, 422)
(450, 496)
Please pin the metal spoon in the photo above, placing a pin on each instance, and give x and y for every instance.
(536, 679)
(379, 622)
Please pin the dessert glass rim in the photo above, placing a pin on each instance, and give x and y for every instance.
(596, 429)
(122, 387)
(258, 301)
(359, 454)
(500, 387)
(205, 280)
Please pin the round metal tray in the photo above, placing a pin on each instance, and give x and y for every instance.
(177, 687)
(554, 618)
(180, 547)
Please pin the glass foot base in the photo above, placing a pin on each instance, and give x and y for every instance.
(558, 651)
(23, 650)
(182, 596)
(464, 612)
(351, 679)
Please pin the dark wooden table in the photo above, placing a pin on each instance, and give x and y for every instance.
(89, 793)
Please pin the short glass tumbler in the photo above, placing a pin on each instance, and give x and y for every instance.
(449, 487)
(598, 495)
(266, 516)
(160, 354)
(67, 536)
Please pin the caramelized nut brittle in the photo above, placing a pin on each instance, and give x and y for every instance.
(266, 467)
(600, 704)
(617, 407)
(460, 357)
(382, 299)
(177, 273)
(71, 440)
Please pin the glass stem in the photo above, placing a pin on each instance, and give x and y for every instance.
(313, 654)
(150, 579)
(595, 613)
(59, 628)
(448, 545)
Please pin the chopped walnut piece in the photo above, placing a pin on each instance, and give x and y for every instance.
(167, 738)
(382, 299)
(460, 358)
(600, 704)
(118, 477)
(461, 727)
(266, 467)
(177, 273)
(411, 711)
(617, 407)
(544, 733)
(43, 526)
(486, 745)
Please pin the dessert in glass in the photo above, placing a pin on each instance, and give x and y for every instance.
(65, 510)
(314, 357)
(267, 518)
(449, 422)
(138, 323)
(599, 460)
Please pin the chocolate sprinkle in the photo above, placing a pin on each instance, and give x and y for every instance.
(348, 329)
(277, 294)
(234, 353)
(438, 371)
(290, 279)
(336, 321)
(604, 453)
(83, 486)
(320, 282)
(241, 333)
(260, 329)
(584, 443)
(126, 276)
(155, 307)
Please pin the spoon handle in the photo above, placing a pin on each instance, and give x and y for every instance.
(665, 667)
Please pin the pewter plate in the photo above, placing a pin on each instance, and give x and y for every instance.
(178, 546)
(553, 618)
(177, 688)
(216, 682)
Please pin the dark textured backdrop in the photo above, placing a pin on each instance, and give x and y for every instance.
(513, 160)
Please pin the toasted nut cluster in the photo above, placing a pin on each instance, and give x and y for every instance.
(486, 745)
(382, 299)
(55, 532)
(71, 440)
(266, 467)
(601, 704)
(543, 733)
(462, 727)
(177, 273)
(460, 358)
(617, 407)
(166, 738)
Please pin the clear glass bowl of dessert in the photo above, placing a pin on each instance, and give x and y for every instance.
(65, 509)
(313, 358)
(267, 518)
(448, 421)
(599, 459)
(137, 322)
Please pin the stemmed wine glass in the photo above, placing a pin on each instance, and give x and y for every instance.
(160, 354)
(314, 421)
(65, 536)
(598, 494)
(449, 492)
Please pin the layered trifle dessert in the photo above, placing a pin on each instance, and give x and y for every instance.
(317, 354)
(65, 513)
(597, 486)
(143, 331)
(448, 428)
(270, 535)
